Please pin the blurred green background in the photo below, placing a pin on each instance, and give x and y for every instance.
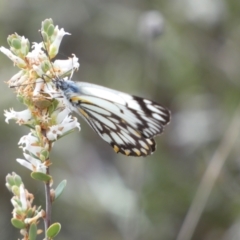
(184, 54)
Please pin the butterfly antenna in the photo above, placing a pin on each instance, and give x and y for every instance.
(72, 70)
(15, 86)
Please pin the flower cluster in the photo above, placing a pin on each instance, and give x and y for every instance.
(25, 215)
(48, 117)
(47, 113)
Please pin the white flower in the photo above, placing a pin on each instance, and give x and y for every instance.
(54, 132)
(32, 163)
(36, 53)
(37, 48)
(67, 125)
(67, 65)
(24, 163)
(35, 218)
(53, 50)
(15, 203)
(21, 80)
(30, 144)
(70, 123)
(61, 114)
(38, 87)
(51, 120)
(24, 45)
(14, 79)
(38, 70)
(22, 117)
(17, 60)
(49, 88)
(23, 199)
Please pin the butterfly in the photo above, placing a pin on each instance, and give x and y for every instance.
(128, 123)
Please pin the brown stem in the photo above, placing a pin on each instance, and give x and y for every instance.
(47, 220)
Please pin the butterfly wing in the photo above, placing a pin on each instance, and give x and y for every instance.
(128, 123)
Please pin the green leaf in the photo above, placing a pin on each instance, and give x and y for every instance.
(45, 154)
(53, 107)
(20, 98)
(44, 36)
(59, 189)
(16, 43)
(42, 104)
(45, 66)
(50, 30)
(46, 23)
(15, 190)
(33, 232)
(41, 176)
(53, 230)
(10, 181)
(18, 180)
(30, 213)
(53, 52)
(18, 223)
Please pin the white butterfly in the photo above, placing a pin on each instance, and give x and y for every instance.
(128, 123)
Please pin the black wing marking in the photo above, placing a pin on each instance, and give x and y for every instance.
(128, 128)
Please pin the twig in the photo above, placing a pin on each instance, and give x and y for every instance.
(47, 220)
(209, 178)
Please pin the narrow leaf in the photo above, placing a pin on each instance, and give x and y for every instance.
(60, 188)
(33, 232)
(50, 30)
(18, 180)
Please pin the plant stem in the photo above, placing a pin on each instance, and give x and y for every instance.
(47, 220)
(210, 176)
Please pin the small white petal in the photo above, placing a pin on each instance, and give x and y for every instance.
(61, 115)
(53, 133)
(50, 89)
(23, 197)
(24, 45)
(36, 53)
(38, 70)
(22, 79)
(16, 77)
(14, 203)
(53, 50)
(17, 60)
(8, 115)
(38, 86)
(25, 163)
(37, 48)
(22, 117)
(34, 161)
(41, 168)
(29, 143)
(51, 136)
(67, 65)
(28, 139)
(69, 123)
